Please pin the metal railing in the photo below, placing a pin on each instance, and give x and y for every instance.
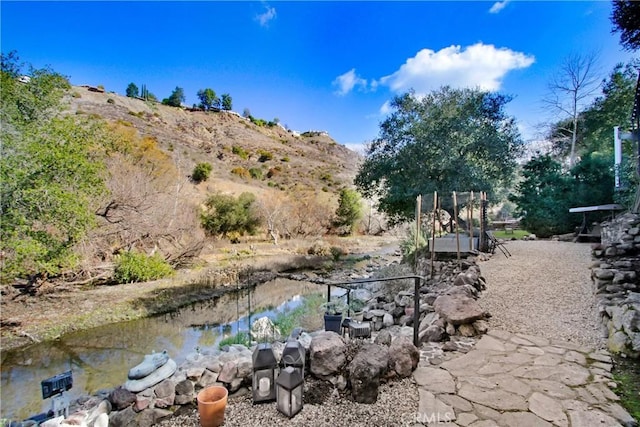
(416, 297)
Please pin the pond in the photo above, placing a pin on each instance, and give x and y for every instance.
(101, 357)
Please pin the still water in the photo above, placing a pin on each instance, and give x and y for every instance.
(101, 357)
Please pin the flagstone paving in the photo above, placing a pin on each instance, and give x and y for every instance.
(518, 380)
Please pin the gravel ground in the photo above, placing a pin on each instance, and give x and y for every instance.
(397, 405)
(544, 289)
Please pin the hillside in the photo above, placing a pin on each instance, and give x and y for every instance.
(313, 161)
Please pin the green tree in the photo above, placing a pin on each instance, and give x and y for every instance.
(132, 90)
(227, 103)
(208, 99)
(546, 193)
(51, 171)
(226, 214)
(349, 210)
(626, 20)
(543, 197)
(610, 109)
(449, 140)
(176, 98)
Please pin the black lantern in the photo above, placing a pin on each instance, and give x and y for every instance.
(264, 373)
(289, 386)
(294, 355)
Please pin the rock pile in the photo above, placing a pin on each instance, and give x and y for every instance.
(615, 274)
(448, 303)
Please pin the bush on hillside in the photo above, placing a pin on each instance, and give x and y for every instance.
(241, 172)
(134, 266)
(201, 172)
(256, 173)
(240, 152)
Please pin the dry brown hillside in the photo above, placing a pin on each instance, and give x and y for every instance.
(311, 161)
(153, 205)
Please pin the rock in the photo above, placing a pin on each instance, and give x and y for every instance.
(305, 340)
(365, 370)
(327, 354)
(481, 326)
(450, 329)
(208, 378)
(150, 363)
(458, 309)
(185, 387)
(245, 367)
(433, 333)
(403, 356)
(264, 330)
(165, 371)
(124, 418)
(618, 342)
(466, 330)
(164, 389)
(229, 372)
(428, 320)
(97, 416)
(383, 338)
(121, 398)
(466, 290)
(387, 320)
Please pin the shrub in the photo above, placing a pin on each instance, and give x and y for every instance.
(241, 172)
(201, 172)
(320, 248)
(226, 215)
(336, 252)
(138, 267)
(256, 173)
(264, 156)
(408, 244)
(110, 101)
(240, 152)
(285, 159)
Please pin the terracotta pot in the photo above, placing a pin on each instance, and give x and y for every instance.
(212, 402)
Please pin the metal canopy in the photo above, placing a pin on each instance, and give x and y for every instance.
(610, 207)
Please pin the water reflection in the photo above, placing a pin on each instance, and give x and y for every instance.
(101, 357)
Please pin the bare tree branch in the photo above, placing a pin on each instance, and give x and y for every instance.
(571, 88)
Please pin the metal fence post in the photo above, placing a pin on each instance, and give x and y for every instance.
(416, 310)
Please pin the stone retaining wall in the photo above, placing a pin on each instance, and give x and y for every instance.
(616, 282)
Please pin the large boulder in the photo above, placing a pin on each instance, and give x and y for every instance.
(403, 357)
(458, 309)
(365, 371)
(327, 354)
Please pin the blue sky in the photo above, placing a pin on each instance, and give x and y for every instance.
(322, 65)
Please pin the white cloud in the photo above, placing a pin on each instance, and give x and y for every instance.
(267, 16)
(385, 108)
(498, 6)
(348, 81)
(479, 65)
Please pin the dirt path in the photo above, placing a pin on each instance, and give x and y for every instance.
(543, 289)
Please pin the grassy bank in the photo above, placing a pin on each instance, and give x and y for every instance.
(627, 374)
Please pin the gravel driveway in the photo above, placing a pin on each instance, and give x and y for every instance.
(543, 289)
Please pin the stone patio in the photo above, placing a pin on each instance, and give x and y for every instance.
(519, 380)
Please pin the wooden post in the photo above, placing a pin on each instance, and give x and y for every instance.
(433, 231)
(455, 218)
